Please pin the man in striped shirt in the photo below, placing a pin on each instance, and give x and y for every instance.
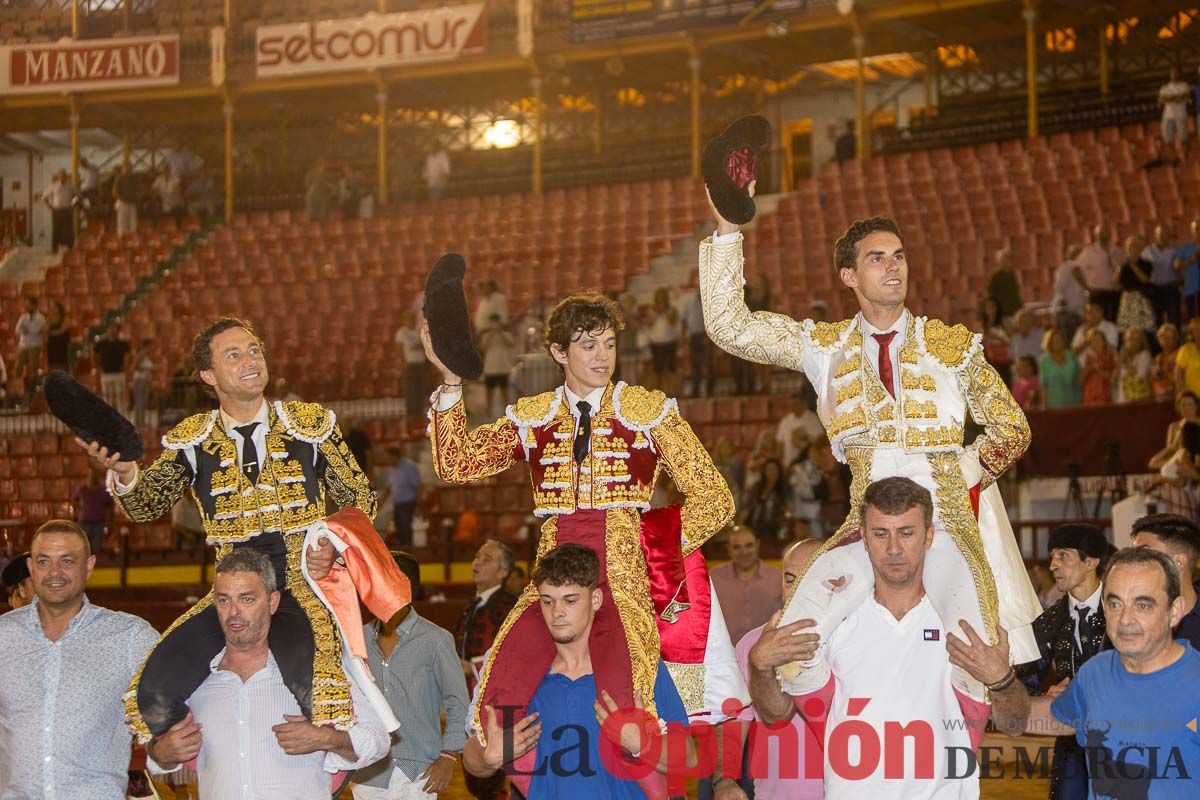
(226, 728)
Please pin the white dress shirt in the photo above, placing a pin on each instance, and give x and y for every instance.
(240, 758)
(871, 345)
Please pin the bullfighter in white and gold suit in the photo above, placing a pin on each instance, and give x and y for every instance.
(894, 391)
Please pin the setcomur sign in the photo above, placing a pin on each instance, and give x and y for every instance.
(372, 40)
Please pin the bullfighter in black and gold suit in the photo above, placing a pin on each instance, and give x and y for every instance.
(261, 475)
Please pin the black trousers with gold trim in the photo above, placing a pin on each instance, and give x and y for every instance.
(303, 640)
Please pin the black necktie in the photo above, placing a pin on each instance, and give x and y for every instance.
(1085, 632)
(249, 453)
(583, 436)
(472, 610)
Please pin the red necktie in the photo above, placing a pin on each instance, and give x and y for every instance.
(885, 360)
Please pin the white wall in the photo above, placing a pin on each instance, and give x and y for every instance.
(14, 170)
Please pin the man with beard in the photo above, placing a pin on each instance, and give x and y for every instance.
(64, 665)
(244, 695)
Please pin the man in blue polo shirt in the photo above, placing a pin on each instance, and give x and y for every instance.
(558, 750)
(1133, 709)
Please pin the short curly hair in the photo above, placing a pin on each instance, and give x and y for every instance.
(202, 356)
(584, 312)
(569, 565)
(845, 249)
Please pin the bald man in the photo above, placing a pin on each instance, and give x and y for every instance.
(765, 648)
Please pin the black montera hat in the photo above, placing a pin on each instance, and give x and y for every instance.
(1089, 540)
(730, 163)
(15, 571)
(449, 322)
(90, 418)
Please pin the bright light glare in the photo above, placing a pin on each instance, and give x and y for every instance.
(503, 133)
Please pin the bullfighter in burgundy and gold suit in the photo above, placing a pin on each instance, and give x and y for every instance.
(894, 402)
(595, 451)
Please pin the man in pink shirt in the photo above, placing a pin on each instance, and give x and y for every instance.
(773, 779)
(747, 588)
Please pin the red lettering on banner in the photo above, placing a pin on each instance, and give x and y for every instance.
(372, 40)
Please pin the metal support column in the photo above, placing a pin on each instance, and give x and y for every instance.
(1031, 88)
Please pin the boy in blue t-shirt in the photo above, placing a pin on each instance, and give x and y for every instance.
(562, 748)
(1134, 709)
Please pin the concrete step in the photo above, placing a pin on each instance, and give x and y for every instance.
(27, 264)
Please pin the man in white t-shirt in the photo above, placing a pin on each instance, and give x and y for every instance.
(800, 417)
(1093, 318)
(409, 338)
(1173, 97)
(31, 330)
(889, 667)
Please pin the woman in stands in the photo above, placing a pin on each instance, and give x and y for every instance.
(1188, 406)
(1163, 377)
(58, 337)
(767, 509)
(1059, 371)
(1098, 368)
(996, 338)
(1176, 487)
(1026, 386)
(1134, 365)
(1135, 309)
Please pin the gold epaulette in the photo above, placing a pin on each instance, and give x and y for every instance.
(827, 334)
(535, 411)
(191, 432)
(949, 345)
(640, 408)
(309, 422)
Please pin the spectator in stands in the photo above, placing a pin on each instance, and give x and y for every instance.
(358, 441)
(491, 304)
(244, 726)
(283, 391)
(60, 197)
(67, 665)
(1059, 371)
(436, 172)
(1163, 377)
(93, 509)
(1002, 284)
(809, 489)
(168, 186)
(143, 378)
(767, 509)
(112, 358)
(1164, 279)
(1093, 319)
(1187, 361)
(18, 583)
(766, 447)
(415, 667)
(408, 337)
(1136, 307)
(996, 340)
(318, 192)
(1173, 98)
(730, 464)
(126, 195)
(1098, 368)
(1187, 262)
(404, 486)
(1026, 338)
(349, 192)
(700, 349)
(497, 345)
(800, 417)
(89, 187)
(749, 589)
(1070, 293)
(1134, 368)
(31, 332)
(1098, 262)
(1026, 385)
(845, 146)
(664, 335)
(629, 342)
(535, 371)
(1182, 470)
(3, 383)
(477, 629)
(1178, 538)
(1188, 406)
(58, 337)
